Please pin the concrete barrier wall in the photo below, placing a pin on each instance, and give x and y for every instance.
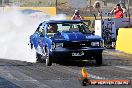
(48, 10)
(124, 40)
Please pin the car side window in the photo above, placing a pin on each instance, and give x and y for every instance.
(52, 28)
(38, 29)
(41, 30)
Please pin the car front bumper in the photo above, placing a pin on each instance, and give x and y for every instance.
(76, 53)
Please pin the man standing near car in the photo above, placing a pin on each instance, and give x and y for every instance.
(76, 16)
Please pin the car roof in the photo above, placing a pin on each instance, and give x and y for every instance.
(64, 21)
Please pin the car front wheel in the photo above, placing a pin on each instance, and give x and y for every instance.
(48, 59)
(38, 57)
(98, 59)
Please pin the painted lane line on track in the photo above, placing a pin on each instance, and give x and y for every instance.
(90, 75)
(20, 77)
(125, 67)
(129, 68)
(96, 77)
(129, 78)
(78, 72)
(117, 53)
(29, 79)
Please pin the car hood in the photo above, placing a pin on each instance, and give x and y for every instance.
(75, 36)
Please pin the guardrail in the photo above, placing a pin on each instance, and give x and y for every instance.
(48, 10)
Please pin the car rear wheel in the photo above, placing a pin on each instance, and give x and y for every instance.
(48, 59)
(98, 59)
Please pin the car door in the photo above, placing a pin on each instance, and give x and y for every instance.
(41, 39)
(37, 39)
(42, 31)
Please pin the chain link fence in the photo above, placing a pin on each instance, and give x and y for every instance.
(87, 9)
(67, 7)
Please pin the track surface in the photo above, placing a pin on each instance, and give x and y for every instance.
(17, 74)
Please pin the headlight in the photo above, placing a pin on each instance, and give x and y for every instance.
(59, 45)
(56, 45)
(95, 44)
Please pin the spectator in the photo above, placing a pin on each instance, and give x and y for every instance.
(76, 16)
(118, 11)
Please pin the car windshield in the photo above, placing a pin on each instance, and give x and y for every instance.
(68, 27)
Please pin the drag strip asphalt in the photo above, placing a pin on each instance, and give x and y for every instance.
(18, 74)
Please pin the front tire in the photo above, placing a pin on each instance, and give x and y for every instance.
(38, 57)
(98, 59)
(48, 59)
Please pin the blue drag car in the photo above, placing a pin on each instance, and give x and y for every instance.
(66, 39)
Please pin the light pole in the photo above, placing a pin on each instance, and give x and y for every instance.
(128, 7)
(2, 3)
(56, 5)
(129, 12)
(90, 6)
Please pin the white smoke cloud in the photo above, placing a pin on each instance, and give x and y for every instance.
(58, 17)
(15, 29)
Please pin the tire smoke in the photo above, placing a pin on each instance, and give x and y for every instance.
(15, 29)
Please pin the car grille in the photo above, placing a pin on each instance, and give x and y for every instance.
(77, 44)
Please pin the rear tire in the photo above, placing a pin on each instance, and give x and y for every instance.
(98, 59)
